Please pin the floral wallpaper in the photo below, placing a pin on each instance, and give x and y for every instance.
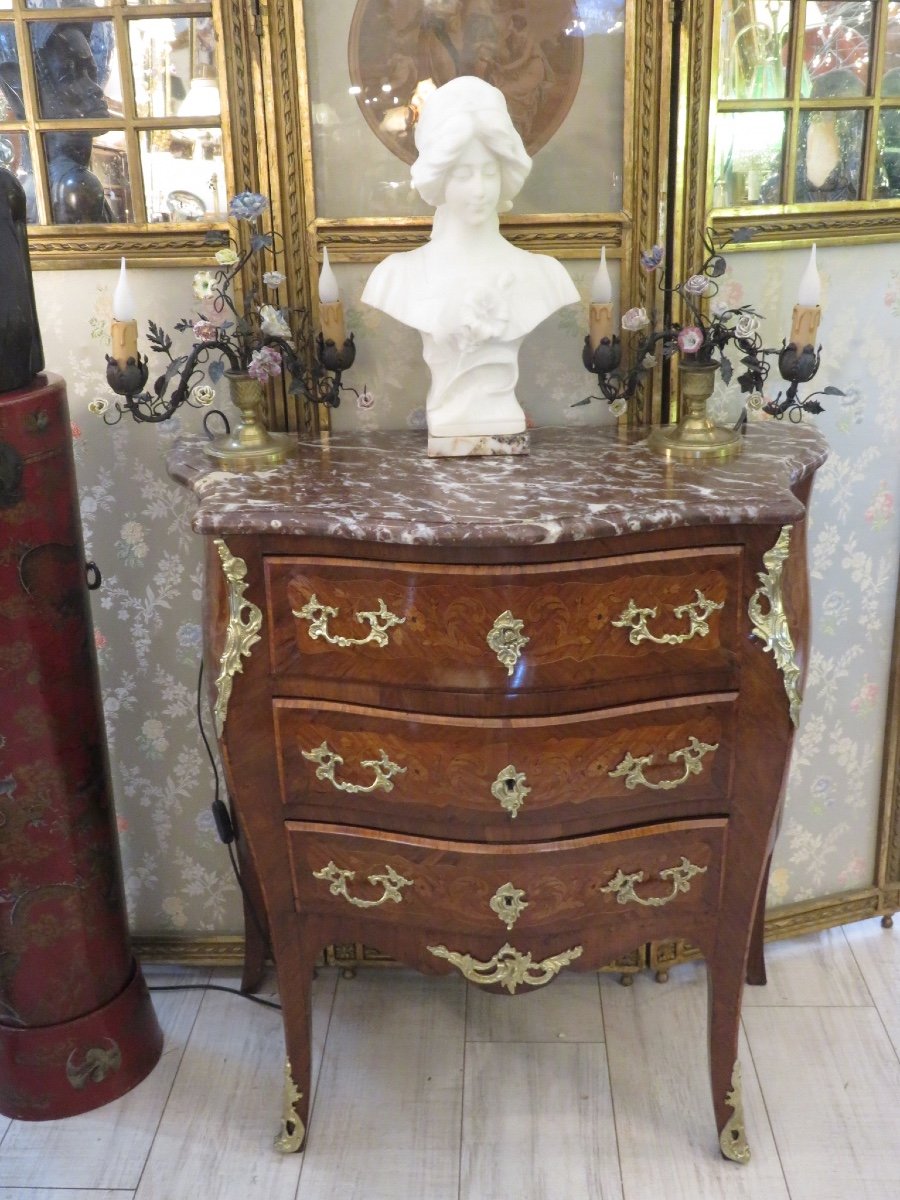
(147, 613)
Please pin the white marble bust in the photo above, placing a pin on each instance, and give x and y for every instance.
(472, 295)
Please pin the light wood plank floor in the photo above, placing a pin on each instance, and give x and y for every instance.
(431, 1090)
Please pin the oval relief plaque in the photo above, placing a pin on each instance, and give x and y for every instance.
(400, 50)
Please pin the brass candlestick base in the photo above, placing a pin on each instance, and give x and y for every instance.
(250, 446)
(695, 435)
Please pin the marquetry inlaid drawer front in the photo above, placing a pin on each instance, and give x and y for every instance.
(504, 630)
(532, 887)
(502, 779)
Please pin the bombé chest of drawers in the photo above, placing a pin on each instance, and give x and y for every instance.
(508, 717)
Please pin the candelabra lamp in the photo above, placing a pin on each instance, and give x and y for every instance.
(714, 340)
(77, 1027)
(247, 342)
(248, 444)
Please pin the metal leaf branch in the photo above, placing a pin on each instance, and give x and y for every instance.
(257, 339)
(713, 335)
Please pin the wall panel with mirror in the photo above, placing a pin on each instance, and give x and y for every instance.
(586, 82)
(115, 117)
(805, 108)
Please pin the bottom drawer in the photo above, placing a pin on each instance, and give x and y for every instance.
(539, 887)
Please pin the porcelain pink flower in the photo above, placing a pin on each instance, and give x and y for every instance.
(690, 339)
(264, 363)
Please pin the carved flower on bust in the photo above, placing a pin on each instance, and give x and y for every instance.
(483, 315)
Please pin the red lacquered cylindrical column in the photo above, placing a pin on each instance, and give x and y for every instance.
(77, 1027)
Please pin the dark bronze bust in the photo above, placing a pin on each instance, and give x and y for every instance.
(21, 353)
(68, 89)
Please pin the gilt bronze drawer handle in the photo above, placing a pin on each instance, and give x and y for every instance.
(633, 768)
(508, 967)
(329, 762)
(508, 902)
(772, 627)
(697, 613)
(510, 789)
(338, 880)
(319, 615)
(622, 885)
(506, 640)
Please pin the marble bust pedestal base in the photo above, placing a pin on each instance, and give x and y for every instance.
(485, 445)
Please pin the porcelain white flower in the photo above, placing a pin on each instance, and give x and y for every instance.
(227, 256)
(635, 318)
(746, 325)
(99, 406)
(202, 395)
(274, 279)
(273, 323)
(619, 407)
(696, 285)
(204, 284)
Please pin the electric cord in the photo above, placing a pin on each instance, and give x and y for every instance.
(225, 825)
(224, 822)
(226, 832)
(211, 987)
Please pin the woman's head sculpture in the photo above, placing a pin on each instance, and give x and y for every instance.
(471, 294)
(462, 111)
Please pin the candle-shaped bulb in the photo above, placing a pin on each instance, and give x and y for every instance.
(601, 288)
(123, 302)
(810, 291)
(328, 284)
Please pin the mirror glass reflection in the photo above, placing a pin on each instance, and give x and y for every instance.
(753, 49)
(184, 174)
(749, 152)
(174, 66)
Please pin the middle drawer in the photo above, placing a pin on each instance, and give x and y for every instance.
(504, 779)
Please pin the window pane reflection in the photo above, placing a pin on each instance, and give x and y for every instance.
(174, 67)
(184, 174)
(65, 3)
(88, 177)
(892, 41)
(75, 67)
(11, 106)
(15, 155)
(829, 154)
(837, 47)
(753, 49)
(749, 151)
(888, 164)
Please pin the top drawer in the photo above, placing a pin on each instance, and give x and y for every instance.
(648, 625)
